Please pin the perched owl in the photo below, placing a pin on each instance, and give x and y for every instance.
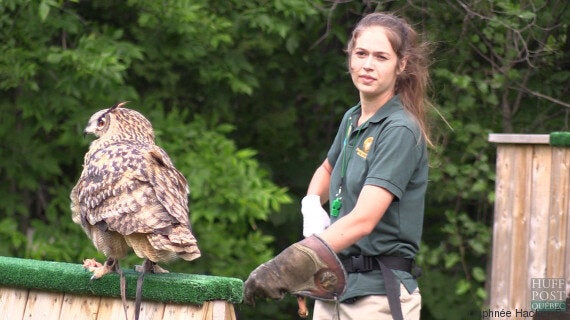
(130, 195)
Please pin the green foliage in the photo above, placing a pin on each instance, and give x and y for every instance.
(490, 58)
(62, 64)
(276, 71)
(230, 193)
(455, 260)
(44, 74)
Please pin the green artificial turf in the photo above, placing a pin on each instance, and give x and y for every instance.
(560, 139)
(73, 278)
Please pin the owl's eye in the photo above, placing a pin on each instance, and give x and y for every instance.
(100, 123)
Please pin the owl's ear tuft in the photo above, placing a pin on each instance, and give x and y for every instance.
(157, 157)
(118, 105)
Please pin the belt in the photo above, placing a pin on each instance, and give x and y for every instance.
(359, 264)
(362, 263)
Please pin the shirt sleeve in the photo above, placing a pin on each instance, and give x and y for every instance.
(394, 160)
(336, 147)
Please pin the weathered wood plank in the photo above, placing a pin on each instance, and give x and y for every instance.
(185, 312)
(92, 307)
(539, 212)
(219, 310)
(523, 163)
(230, 312)
(110, 308)
(152, 310)
(557, 237)
(567, 208)
(519, 138)
(506, 171)
(43, 305)
(79, 307)
(12, 303)
(25, 304)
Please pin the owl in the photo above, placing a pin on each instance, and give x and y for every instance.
(130, 196)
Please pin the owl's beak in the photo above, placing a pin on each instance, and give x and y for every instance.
(89, 129)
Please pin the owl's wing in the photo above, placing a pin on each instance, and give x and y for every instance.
(132, 188)
(170, 185)
(75, 204)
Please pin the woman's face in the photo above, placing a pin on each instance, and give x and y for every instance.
(374, 65)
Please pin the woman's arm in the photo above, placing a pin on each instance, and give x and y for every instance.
(320, 182)
(372, 203)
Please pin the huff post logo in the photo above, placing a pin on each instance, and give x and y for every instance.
(548, 294)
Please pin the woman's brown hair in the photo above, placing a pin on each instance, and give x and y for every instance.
(413, 82)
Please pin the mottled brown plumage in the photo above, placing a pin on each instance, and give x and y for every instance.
(130, 195)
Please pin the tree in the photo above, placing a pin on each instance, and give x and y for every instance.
(500, 66)
(60, 66)
(246, 97)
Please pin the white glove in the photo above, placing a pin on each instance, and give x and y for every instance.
(315, 218)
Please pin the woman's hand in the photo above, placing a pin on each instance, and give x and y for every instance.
(315, 218)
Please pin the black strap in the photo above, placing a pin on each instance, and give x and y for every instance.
(392, 291)
(362, 263)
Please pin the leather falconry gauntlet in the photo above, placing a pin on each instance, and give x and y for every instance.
(307, 268)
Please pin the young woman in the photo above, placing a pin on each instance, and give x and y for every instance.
(374, 177)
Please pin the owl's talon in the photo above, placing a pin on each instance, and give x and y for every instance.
(101, 271)
(91, 263)
(158, 269)
(97, 268)
(155, 269)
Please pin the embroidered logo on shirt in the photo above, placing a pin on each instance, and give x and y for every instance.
(366, 145)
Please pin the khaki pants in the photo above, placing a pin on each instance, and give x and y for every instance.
(373, 307)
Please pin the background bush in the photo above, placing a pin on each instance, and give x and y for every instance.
(246, 97)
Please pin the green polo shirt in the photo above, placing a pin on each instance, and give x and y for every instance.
(386, 151)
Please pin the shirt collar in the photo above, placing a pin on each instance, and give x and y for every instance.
(393, 105)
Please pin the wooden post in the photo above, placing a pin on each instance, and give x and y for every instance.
(531, 229)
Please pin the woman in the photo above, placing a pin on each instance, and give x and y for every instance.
(376, 169)
(375, 177)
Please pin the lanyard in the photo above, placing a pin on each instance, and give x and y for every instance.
(337, 202)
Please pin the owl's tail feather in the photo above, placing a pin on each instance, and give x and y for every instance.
(180, 241)
(190, 255)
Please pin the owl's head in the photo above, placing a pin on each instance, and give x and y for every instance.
(120, 123)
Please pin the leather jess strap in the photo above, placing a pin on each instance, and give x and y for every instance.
(358, 264)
